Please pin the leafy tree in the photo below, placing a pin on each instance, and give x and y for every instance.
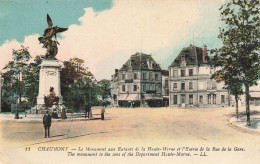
(21, 78)
(31, 77)
(239, 55)
(72, 71)
(232, 84)
(14, 74)
(78, 89)
(104, 89)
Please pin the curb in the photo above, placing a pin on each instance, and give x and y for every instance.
(240, 125)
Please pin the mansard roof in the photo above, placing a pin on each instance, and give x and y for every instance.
(140, 61)
(193, 56)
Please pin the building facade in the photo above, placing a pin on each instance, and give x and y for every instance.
(190, 81)
(137, 83)
(165, 87)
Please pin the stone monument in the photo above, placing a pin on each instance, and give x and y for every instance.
(49, 77)
(49, 82)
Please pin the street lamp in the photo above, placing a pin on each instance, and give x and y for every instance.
(89, 81)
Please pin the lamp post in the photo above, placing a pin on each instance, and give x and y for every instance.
(89, 81)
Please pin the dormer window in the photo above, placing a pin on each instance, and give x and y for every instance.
(182, 57)
(150, 64)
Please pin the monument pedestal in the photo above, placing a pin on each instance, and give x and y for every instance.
(49, 77)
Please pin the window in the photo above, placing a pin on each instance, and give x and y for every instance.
(183, 57)
(156, 77)
(182, 73)
(175, 99)
(190, 72)
(144, 87)
(214, 98)
(190, 99)
(148, 87)
(135, 87)
(123, 88)
(190, 85)
(201, 99)
(135, 75)
(129, 87)
(182, 98)
(175, 73)
(123, 76)
(174, 86)
(182, 86)
(222, 98)
(157, 87)
(166, 83)
(209, 99)
(144, 76)
(152, 87)
(150, 76)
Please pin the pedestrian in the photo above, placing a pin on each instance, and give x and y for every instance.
(47, 123)
(166, 104)
(103, 113)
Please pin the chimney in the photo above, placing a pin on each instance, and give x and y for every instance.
(205, 55)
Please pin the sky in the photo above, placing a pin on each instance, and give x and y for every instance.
(105, 33)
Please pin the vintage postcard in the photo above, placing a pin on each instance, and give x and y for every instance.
(129, 81)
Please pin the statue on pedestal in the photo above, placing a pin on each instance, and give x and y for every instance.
(48, 42)
(51, 99)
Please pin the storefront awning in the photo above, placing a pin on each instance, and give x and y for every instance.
(122, 97)
(255, 95)
(152, 97)
(128, 97)
(132, 97)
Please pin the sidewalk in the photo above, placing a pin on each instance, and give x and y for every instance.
(242, 121)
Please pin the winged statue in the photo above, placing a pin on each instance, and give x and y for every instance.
(48, 42)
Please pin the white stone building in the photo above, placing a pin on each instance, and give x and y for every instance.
(137, 83)
(190, 81)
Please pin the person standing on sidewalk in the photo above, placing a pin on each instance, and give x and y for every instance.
(47, 123)
(103, 113)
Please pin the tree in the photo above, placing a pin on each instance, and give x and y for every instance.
(21, 77)
(14, 85)
(104, 90)
(239, 55)
(72, 71)
(232, 84)
(78, 89)
(31, 78)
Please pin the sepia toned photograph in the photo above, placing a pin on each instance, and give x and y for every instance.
(130, 81)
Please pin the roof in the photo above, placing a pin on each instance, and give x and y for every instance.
(140, 61)
(193, 56)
